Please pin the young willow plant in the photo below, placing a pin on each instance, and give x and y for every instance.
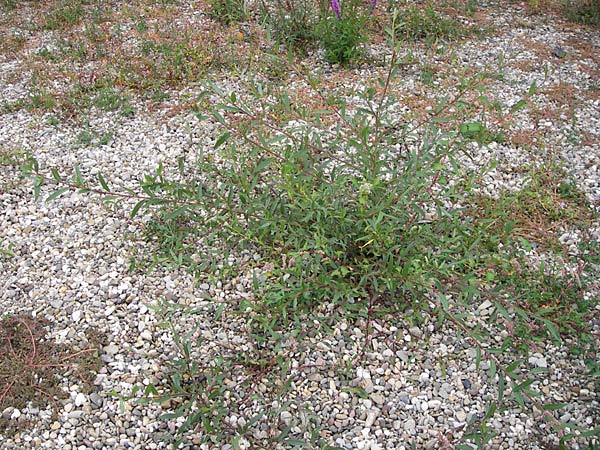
(352, 207)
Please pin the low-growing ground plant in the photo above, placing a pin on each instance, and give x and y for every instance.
(426, 23)
(480, 133)
(8, 4)
(584, 11)
(11, 156)
(228, 11)
(292, 22)
(545, 206)
(65, 14)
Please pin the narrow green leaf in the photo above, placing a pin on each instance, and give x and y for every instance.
(444, 302)
(137, 207)
(492, 369)
(511, 367)
(472, 127)
(150, 389)
(491, 410)
(518, 397)
(217, 116)
(294, 442)
(103, 182)
(170, 416)
(222, 139)
(589, 433)
(554, 406)
(55, 174)
(525, 384)
(502, 310)
(518, 106)
(532, 88)
(56, 194)
(553, 330)
(356, 390)
(78, 179)
(509, 226)
(39, 181)
(532, 393)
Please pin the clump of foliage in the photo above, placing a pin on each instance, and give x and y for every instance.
(480, 133)
(66, 14)
(418, 23)
(8, 4)
(342, 33)
(11, 156)
(292, 22)
(228, 11)
(584, 11)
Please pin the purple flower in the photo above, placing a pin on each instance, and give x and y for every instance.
(335, 5)
(373, 4)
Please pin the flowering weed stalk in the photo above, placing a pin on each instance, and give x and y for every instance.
(335, 5)
(342, 34)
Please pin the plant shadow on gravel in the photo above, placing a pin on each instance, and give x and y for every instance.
(31, 366)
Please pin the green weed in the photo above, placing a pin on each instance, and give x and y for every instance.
(8, 107)
(85, 138)
(77, 50)
(228, 11)
(11, 157)
(141, 26)
(292, 22)
(172, 62)
(584, 11)
(416, 23)
(88, 137)
(478, 132)
(6, 250)
(546, 203)
(52, 121)
(341, 37)
(109, 99)
(42, 99)
(67, 14)
(8, 4)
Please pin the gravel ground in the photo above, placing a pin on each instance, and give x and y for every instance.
(69, 262)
